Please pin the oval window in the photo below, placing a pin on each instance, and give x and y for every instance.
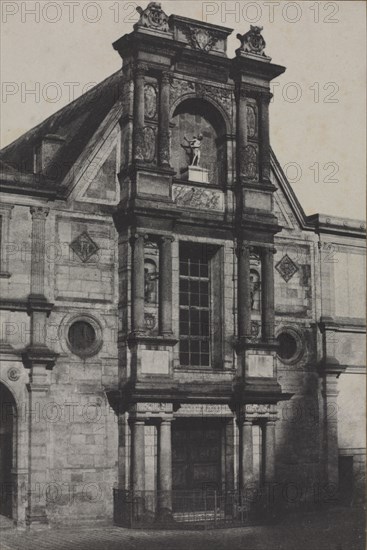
(82, 337)
(288, 347)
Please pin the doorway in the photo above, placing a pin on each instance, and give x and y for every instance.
(7, 423)
(346, 479)
(196, 454)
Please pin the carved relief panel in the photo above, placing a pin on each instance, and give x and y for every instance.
(150, 132)
(252, 120)
(251, 151)
(150, 101)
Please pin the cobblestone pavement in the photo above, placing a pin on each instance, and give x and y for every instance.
(334, 530)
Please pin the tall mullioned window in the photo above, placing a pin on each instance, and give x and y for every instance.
(194, 306)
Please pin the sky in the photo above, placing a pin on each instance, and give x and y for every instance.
(53, 51)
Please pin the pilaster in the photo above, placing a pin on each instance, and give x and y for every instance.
(267, 270)
(244, 291)
(140, 70)
(137, 284)
(163, 143)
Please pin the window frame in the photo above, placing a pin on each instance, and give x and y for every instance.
(201, 308)
(215, 254)
(98, 342)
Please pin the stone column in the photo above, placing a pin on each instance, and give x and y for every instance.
(244, 291)
(37, 446)
(330, 431)
(267, 298)
(165, 286)
(39, 359)
(39, 215)
(138, 455)
(163, 144)
(137, 284)
(139, 108)
(264, 133)
(165, 468)
(269, 469)
(246, 455)
(241, 134)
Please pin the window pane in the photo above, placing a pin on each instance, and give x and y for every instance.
(184, 346)
(204, 287)
(184, 359)
(195, 300)
(195, 329)
(195, 359)
(194, 270)
(184, 285)
(205, 360)
(184, 315)
(205, 347)
(184, 268)
(194, 315)
(195, 346)
(184, 328)
(204, 329)
(194, 286)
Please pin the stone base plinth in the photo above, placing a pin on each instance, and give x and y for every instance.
(196, 173)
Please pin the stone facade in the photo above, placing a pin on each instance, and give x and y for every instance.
(95, 371)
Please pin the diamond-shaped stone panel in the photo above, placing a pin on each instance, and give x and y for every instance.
(286, 267)
(84, 247)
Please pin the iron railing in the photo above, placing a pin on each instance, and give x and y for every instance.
(182, 509)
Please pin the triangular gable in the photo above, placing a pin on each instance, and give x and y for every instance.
(95, 161)
(286, 205)
(99, 183)
(280, 210)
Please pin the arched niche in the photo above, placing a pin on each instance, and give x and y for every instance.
(150, 281)
(192, 117)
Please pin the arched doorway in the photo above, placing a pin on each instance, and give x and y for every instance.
(7, 429)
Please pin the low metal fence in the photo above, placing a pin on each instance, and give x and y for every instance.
(182, 509)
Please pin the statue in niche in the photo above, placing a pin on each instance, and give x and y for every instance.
(255, 290)
(194, 145)
(150, 286)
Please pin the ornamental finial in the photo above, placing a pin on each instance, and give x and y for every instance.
(153, 17)
(252, 42)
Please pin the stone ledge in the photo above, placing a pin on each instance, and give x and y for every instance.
(39, 354)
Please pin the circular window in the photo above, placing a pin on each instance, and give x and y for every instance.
(290, 345)
(84, 336)
(287, 346)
